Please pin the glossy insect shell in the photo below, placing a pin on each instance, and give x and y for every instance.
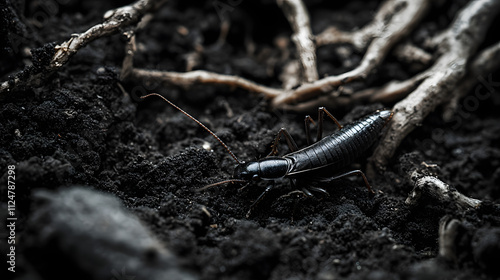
(269, 168)
(335, 151)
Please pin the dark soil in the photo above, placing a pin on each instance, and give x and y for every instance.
(80, 128)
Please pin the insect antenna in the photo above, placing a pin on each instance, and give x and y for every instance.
(221, 183)
(198, 122)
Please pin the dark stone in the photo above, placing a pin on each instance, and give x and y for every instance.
(78, 233)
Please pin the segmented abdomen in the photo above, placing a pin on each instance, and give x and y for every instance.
(342, 147)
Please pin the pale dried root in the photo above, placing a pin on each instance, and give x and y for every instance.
(296, 13)
(188, 79)
(359, 38)
(114, 21)
(441, 191)
(400, 24)
(461, 42)
(391, 92)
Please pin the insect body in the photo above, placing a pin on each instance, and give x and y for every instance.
(335, 151)
(330, 153)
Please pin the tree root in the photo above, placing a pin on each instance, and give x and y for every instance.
(424, 179)
(361, 37)
(410, 53)
(428, 189)
(400, 24)
(296, 13)
(114, 21)
(440, 191)
(460, 43)
(188, 79)
(403, 17)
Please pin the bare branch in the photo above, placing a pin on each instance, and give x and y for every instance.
(401, 23)
(296, 13)
(188, 79)
(462, 40)
(114, 21)
(332, 100)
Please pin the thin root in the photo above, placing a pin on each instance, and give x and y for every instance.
(461, 42)
(401, 24)
(296, 13)
(114, 21)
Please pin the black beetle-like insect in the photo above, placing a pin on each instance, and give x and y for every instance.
(334, 152)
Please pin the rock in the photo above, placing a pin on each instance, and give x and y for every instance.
(78, 233)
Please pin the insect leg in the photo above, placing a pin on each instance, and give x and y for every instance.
(358, 172)
(307, 192)
(320, 190)
(289, 140)
(307, 121)
(261, 196)
(321, 112)
(292, 193)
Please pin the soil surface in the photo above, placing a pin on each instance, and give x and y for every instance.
(83, 127)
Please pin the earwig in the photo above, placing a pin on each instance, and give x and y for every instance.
(332, 152)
